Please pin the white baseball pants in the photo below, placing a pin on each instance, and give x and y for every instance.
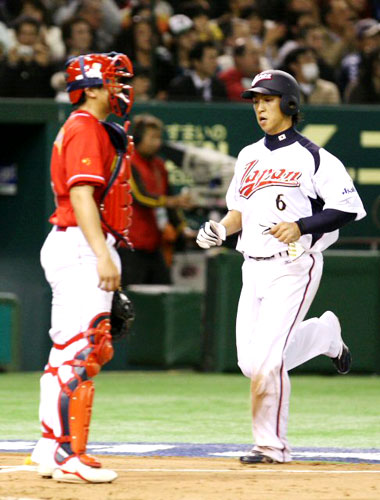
(70, 268)
(272, 338)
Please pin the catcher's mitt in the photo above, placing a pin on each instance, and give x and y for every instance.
(122, 315)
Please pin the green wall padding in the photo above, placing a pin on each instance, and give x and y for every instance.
(168, 327)
(350, 287)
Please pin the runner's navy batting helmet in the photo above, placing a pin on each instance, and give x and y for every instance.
(111, 71)
(277, 82)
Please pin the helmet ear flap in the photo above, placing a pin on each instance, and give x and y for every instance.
(289, 105)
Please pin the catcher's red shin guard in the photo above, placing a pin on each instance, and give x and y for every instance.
(76, 397)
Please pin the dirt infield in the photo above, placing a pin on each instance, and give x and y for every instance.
(162, 478)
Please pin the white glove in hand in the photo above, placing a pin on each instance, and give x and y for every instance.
(211, 234)
(295, 250)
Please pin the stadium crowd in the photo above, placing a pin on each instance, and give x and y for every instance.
(204, 50)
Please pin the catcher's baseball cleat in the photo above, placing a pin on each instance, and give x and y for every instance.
(74, 471)
(256, 457)
(46, 470)
(343, 362)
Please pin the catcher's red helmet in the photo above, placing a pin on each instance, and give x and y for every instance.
(102, 70)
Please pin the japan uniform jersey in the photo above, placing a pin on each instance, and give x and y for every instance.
(82, 154)
(285, 177)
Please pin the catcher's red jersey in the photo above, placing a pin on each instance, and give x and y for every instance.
(82, 154)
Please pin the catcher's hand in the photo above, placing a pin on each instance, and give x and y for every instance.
(211, 234)
(122, 315)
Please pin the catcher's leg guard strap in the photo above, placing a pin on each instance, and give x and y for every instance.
(100, 349)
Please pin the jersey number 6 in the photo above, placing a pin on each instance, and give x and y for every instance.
(280, 204)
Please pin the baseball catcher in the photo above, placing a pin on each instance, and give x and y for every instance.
(90, 168)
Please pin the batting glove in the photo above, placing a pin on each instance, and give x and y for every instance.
(211, 234)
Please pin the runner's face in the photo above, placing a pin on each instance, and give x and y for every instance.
(269, 115)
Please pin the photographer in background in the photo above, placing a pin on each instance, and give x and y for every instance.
(26, 70)
(156, 221)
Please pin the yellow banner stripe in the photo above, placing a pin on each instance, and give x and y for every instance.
(370, 139)
(365, 175)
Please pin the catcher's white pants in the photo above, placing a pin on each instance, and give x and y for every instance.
(272, 338)
(70, 268)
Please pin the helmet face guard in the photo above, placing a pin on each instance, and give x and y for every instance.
(115, 80)
(111, 71)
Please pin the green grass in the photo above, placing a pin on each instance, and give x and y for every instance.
(204, 408)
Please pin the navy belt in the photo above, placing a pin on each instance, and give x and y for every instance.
(285, 253)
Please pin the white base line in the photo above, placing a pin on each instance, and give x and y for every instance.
(29, 468)
(254, 471)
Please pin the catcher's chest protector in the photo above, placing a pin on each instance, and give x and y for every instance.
(115, 207)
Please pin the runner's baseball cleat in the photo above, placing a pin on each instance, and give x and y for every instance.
(74, 471)
(256, 457)
(343, 362)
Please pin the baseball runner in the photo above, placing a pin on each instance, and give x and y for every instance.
(288, 198)
(89, 171)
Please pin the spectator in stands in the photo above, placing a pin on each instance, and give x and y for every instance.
(276, 34)
(367, 88)
(247, 64)
(26, 70)
(79, 39)
(77, 36)
(315, 37)
(256, 24)
(367, 39)
(105, 26)
(183, 40)
(206, 29)
(233, 29)
(50, 33)
(155, 218)
(296, 9)
(201, 83)
(362, 8)
(141, 83)
(302, 64)
(339, 19)
(146, 51)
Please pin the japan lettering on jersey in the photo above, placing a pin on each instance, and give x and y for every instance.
(254, 178)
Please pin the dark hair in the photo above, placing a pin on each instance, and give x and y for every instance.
(248, 12)
(240, 47)
(198, 50)
(38, 4)
(366, 71)
(293, 55)
(193, 9)
(66, 27)
(26, 20)
(297, 118)
(143, 122)
(139, 70)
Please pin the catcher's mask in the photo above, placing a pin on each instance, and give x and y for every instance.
(277, 82)
(111, 71)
